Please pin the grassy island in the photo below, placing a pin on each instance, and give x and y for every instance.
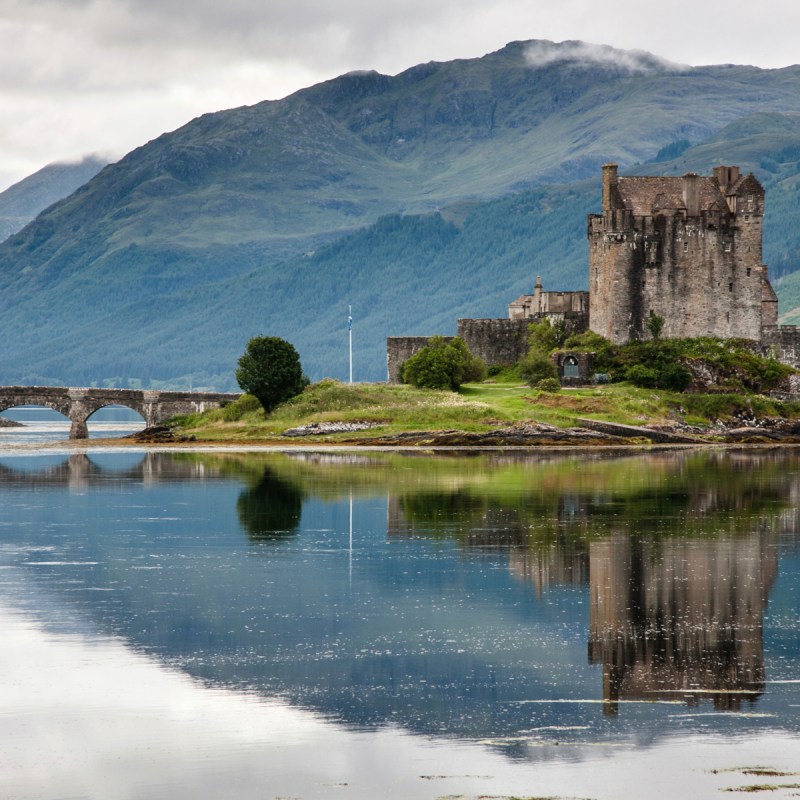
(703, 389)
(489, 406)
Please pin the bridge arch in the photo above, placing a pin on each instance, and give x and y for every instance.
(127, 406)
(115, 419)
(131, 405)
(58, 406)
(79, 404)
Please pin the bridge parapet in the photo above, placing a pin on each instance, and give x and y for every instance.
(78, 404)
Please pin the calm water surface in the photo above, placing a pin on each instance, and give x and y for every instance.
(376, 625)
(43, 426)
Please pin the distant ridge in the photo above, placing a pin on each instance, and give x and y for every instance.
(20, 203)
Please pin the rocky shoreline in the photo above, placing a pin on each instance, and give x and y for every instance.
(595, 433)
(589, 433)
(10, 423)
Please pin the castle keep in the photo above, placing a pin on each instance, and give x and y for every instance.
(687, 250)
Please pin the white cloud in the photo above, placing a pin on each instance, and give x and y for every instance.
(542, 53)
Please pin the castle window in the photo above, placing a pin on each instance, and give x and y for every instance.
(750, 198)
(730, 287)
(748, 272)
(727, 247)
(686, 247)
(747, 218)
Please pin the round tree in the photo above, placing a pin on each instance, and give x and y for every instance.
(270, 370)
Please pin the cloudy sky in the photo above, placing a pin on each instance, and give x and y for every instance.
(103, 76)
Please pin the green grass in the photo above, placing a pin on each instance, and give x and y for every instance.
(397, 408)
(477, 407)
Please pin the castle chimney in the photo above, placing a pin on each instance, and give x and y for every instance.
(609, 185)
(537, 294)
(726, 177)
(691, 194)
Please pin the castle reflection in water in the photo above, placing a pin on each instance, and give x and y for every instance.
(680, 617)
(676, 617)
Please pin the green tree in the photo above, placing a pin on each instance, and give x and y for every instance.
(545, 336)
(270, 370)
(443, 364)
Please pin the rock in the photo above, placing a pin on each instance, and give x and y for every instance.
(10, 423)
(521, 435)
(319, 428)
(157, 434)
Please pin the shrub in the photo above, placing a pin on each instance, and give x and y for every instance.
(246, 404)
(549, 385)
(640, 375)
(270, 370)
(443, 365)
(537, 366)
(674, 377)
(654, 325)
(730, 364)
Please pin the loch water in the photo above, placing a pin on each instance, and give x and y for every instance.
(363, 625)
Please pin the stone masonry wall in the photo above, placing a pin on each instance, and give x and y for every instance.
(692, 273)
(782, 343)
(500, 342)
(685, 249)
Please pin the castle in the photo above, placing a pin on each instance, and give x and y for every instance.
(685, 249)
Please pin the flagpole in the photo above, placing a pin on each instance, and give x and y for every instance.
(350, 549)
(350, 332)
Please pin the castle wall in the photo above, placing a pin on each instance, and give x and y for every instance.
(783, 344)
(612, 278)
(698, 268)
(500, 342)
(703, 276)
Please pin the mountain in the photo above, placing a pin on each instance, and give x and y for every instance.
(21, 203)
(436, 193)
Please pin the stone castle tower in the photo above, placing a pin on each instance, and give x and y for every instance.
(686, 249)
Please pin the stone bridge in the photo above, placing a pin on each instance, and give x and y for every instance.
(79, 404)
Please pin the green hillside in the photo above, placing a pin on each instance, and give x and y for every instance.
(398, 274)
(437, 193)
